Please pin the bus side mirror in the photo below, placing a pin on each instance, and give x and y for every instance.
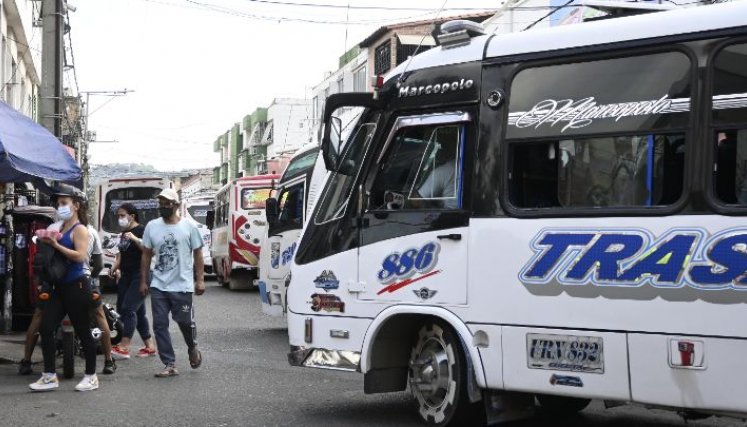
(271, 211)
(210, 220)
(331, 142)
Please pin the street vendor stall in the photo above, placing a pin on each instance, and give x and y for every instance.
(28, 154)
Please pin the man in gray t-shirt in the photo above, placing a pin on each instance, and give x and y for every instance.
(176, 245)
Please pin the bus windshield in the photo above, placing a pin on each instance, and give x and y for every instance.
(144, 199)
(300, 164)
(198, 212)
(255, 198)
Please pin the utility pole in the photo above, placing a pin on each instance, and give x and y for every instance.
(50, 105)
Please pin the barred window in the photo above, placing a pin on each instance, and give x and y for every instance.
(383, 58)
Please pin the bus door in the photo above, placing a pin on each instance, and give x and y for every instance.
(414, 234)
(283, 237)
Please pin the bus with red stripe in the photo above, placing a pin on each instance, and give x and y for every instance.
(239, 229)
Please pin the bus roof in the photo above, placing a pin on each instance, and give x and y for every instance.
(683, 21)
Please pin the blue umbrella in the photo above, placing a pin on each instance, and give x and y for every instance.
(29, 152)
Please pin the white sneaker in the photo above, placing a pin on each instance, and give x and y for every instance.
(88, 383)
(45, 383)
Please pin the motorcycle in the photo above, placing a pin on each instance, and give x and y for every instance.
(69, 344)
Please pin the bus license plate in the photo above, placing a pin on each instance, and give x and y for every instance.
(565, 353)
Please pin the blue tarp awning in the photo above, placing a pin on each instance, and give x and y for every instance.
(29, 152)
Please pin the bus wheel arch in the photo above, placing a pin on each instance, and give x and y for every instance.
(395, 340)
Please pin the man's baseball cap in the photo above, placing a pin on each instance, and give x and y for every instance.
(169, 194)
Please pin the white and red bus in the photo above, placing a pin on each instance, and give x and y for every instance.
(239, 229)
(141, 191)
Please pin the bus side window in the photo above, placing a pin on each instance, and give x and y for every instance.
(618, 171)
(731, 166)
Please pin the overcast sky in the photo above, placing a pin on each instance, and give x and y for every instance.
(197, 67)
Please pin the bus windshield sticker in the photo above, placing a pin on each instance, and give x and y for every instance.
(577, 114)
(403, 266)
(139, 204)
(632, 258)
(327, 281)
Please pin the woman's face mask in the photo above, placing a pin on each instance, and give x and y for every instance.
(124, 221)
(65, 212)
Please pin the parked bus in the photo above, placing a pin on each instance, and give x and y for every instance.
(195, 208)
(294, 195)
(239, 228)
(550, 216)
(110, 195)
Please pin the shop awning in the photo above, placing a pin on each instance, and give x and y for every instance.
(29, 152)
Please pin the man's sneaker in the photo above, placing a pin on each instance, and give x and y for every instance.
(146, 352)
(195, 357)
(88, 383)
(45, 383)
(119, 353)
(110, 367)
(24, 367)
(168, 371)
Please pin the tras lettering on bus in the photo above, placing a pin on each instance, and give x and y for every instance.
(401, 269)
(635, 257)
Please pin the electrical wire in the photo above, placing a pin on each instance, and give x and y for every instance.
(192, 4)
(550, 13)
(375, 8)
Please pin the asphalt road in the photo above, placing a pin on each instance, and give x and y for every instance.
(245, 380)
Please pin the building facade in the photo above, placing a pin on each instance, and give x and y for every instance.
(20, 55)
(263, 139)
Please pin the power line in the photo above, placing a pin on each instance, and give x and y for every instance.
(374, 8)
(242, 14)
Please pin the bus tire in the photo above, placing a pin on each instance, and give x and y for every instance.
(437, 375)
(561, 406)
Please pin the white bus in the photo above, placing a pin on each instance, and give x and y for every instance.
(141, 191)
(195, 208)
(293, 201)
(556, 214)
(239, 228)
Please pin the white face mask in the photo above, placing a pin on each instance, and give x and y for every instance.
(124, 222)
(64, 212)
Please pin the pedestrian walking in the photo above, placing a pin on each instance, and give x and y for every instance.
(71, 295)
(130, 303)
(177, 247)
(95, 266)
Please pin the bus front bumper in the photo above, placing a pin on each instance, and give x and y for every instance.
(339, 360)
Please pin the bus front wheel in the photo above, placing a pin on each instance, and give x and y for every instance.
(437, 375)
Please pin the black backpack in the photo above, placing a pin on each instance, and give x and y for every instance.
(50, 265)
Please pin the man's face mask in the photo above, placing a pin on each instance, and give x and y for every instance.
(166, 211)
